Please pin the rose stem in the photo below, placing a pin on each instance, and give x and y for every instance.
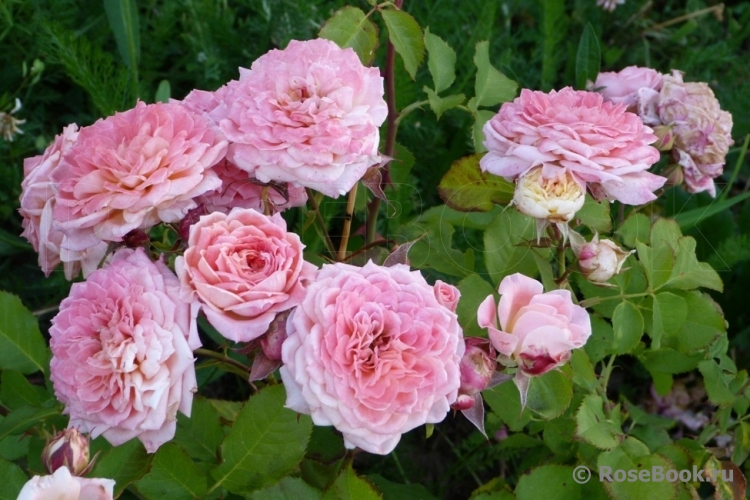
(321, 222)
(221, 357)
(347, 223)
(390, 138)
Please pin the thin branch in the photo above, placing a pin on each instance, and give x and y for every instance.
(319, 217)
(347, 222)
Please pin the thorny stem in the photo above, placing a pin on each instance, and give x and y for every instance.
(604, 382)
(390, 138)
(221, 357)
(322, 223)
(366, 247)
(596, 300)
(347, 223)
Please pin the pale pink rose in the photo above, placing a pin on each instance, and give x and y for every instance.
(598, 260)
(308, 114)
(447, 295)
(37, 202)
(63, 486)
(536, 330)
(372, 352)
(134, 170)
(244, 268)
(241, 190)
(122, 347)
(604, 147)
(622, 87)
(702, 130)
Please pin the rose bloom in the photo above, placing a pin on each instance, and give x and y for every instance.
(245, 268)
(556, 199)
(63, 486)
(308, 114)
(598, 260)
(372, 352)
(702, 130)
(598, 142)
(134, 170)
(239, 189)
(623, 87)
(537, 330)
(37, 201)
(122, 347)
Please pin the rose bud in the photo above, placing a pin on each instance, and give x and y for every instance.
(136, 238)
(70, 449)
(556, 199)
(191, 218)
(599, 260)
(477, 366)
(274, 337)
(674, 175)
(665, 136)
(447, 295)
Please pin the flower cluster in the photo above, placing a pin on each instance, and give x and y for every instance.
(556, 145)
(686, 116)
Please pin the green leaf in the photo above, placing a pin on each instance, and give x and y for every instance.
(665, 231)
(599, 343)
(690, 218)
(350, 487)
(228, 410)
(549, 482)
(13, 480)
(507, 245)
(24, 418)
(163, 91)
(440, 105)
(406, 36)
(435, 250)
(554, 30)
(741, 443)
(593, 427)
(397, 491)
(688, 273)
(505, 400)
(16, 391)
(491, 87)
(595, 215)
(583, 370)
(703, 324)
(550, 394)
(588, 58)
(465, 187)
(658, 262)
(441, 61)
(545, 272)
(22, 346)
(123, 19)
(666, 360)
(266, 442)
(125, 463)
(289, 488)
(349, 27)
(477, 134)
(627, 326)
(637, 227)
(670, 314)
(716, 385)
(201, 433)
(474, 290)
(173, 475)
(559, 435)
(637, 459)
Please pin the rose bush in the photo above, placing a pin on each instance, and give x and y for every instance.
(122, 352)
(372, 352)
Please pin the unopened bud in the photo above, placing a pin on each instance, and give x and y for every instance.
(556, 199)
(68, 448)
(272, 340)
(135, 238)
(674, 174)
(477, 366)
(598, 260)
(190, 219)
(666, 137)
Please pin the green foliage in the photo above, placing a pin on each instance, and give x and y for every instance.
(22, 346)
(406, 36)
(588, 59)
(349, 27)
(465, 187)
(173, 475)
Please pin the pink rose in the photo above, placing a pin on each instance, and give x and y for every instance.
(622, 87)
(599, 143)
(63, 486)
(240, 189)
(537, 330)
(308, 114)
(372, 352)
(245, 268)
(134, 170)
(37, 203)
(122, 347)
(447, 295)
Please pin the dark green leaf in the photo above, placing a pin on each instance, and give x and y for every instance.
(507, 245)
(201, 433)
(600, 342)
(441, 61)
(549, 482)
(658, 262)
(16, 391)
(588, 58)
(690, 218)
(289, 488)
(350, 487)
(474, 290)
(505, 400)
(550, 394)
(688, 273)
(349, 27)
(465, 187)
(173, 475)
(634, 455)
(24, 418)
(123, 19)
(22, 346)
(593, 427)
(266, 442)
(716, 384)
(627, 326)
(13, 480)
(667, 360)
(637, 227)
(125, 463)
(741, 443)
(670, 314)
(406, 36)
(595, 215)
(583, 370)
(397, 491)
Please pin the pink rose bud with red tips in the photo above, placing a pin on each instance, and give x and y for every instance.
(274, 337)
(70, 449)
(477, 366)
(599, 260)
